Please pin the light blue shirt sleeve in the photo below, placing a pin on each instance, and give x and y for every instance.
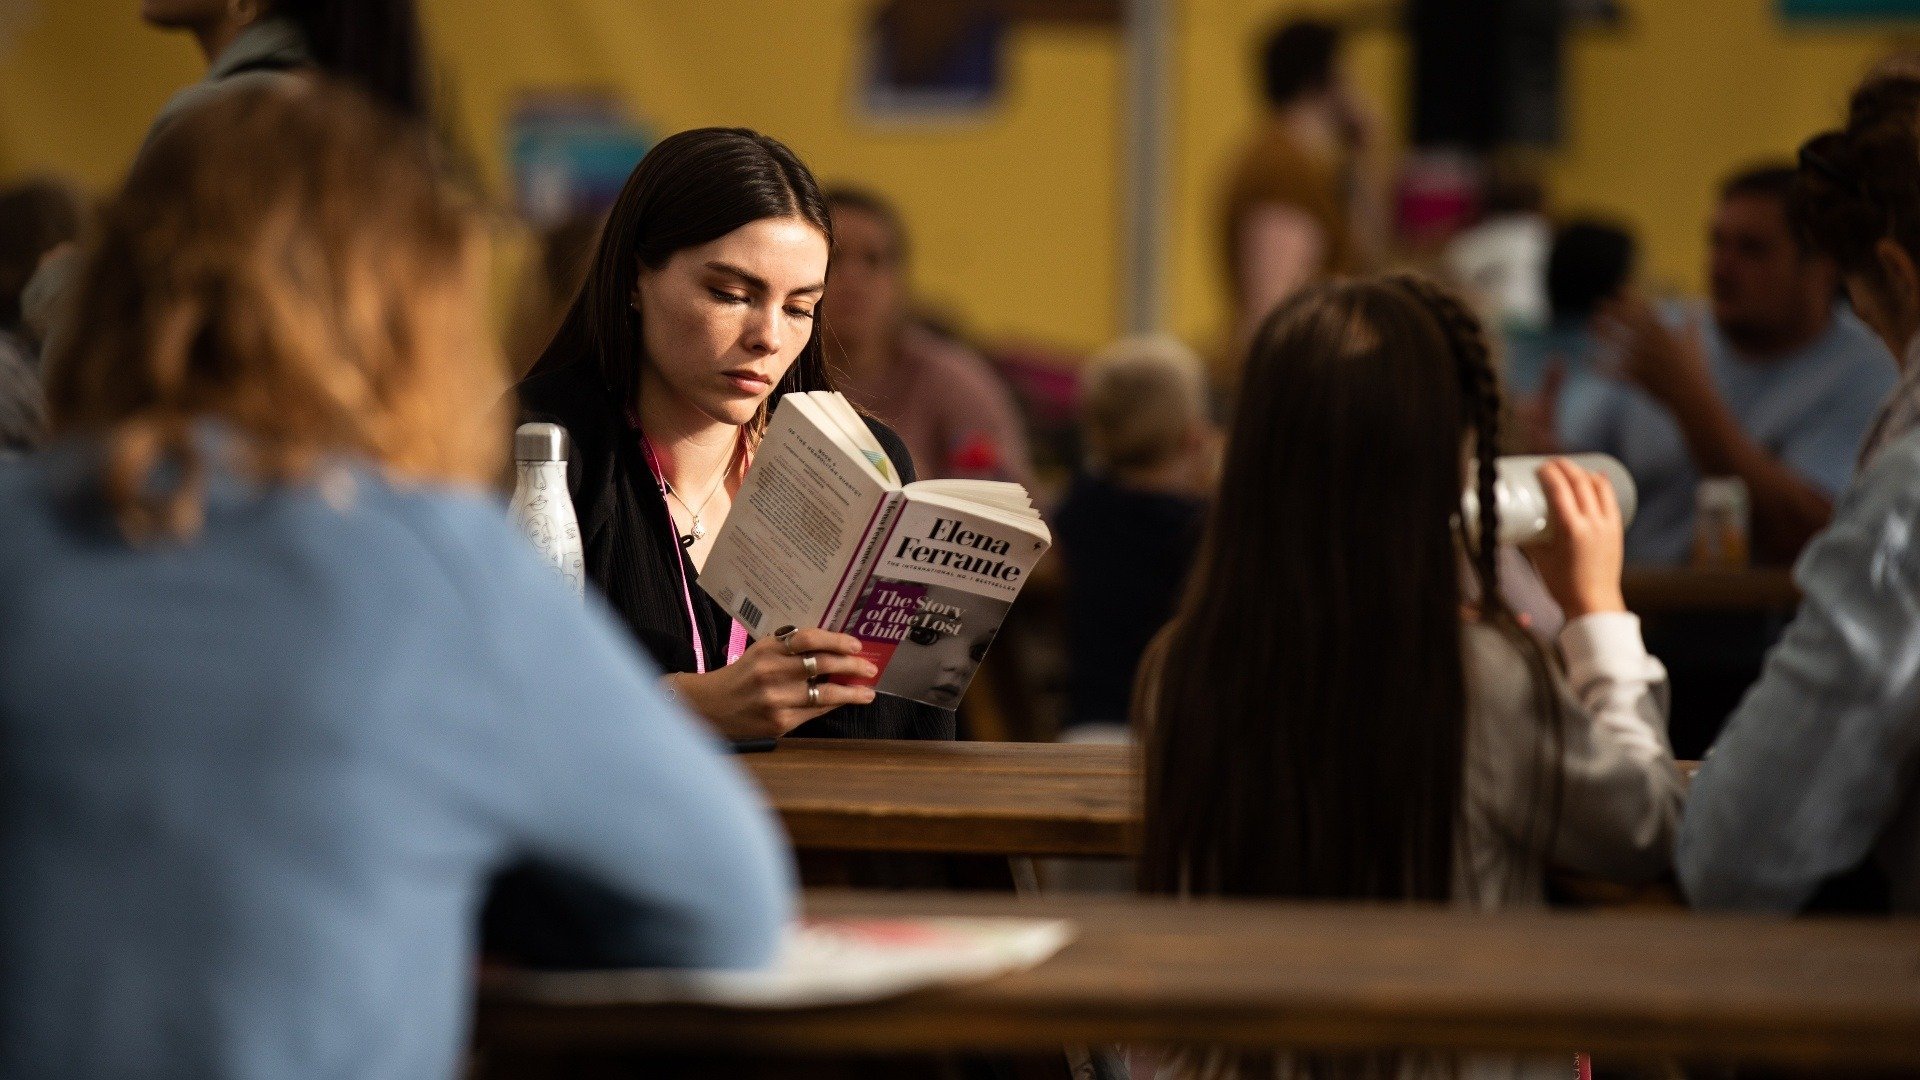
(628, 794)
(1587, 416)
(1814, 763)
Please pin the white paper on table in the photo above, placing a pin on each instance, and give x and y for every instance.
(825, 962)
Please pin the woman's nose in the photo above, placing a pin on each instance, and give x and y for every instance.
(762, 336)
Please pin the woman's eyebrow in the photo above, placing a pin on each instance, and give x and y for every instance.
(754, 281)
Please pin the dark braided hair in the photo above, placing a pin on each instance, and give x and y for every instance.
(1305, 714)
(1480, 393)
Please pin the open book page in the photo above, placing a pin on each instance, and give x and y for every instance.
(796, 525)
(842, 410)
(825, 962)
(1011, 498)
(929, 608)
(832, 415)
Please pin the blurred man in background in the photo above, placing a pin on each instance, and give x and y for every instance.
(958, 418)
(1776, 389)
(1305, 198)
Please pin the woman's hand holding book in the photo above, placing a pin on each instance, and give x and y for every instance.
(779, 683)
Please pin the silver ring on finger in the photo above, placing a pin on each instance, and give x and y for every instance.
(785, 637)
(813, 695)
(811, 666)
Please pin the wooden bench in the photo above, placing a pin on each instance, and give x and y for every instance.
(1623, 986)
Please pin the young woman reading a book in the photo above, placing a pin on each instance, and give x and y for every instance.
(1344, 707)
(697, 315)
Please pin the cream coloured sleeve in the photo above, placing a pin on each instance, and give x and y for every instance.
(1621, 793)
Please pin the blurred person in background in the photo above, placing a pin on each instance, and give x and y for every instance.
(284, 688)
(700, 311)
(956, 415)
(36, 217)
(1591, 264)
(1501, 260)
(551, 279)
(1777, 387)
(1306, 198)
(1811, 797)
(373, 45)
(1127, 529)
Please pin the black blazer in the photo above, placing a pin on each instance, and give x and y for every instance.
(632, 547)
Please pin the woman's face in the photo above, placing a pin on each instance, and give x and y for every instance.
(869, 285)
(722, 322)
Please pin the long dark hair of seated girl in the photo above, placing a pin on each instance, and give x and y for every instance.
(1305, 711)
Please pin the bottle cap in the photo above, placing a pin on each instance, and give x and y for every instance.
(540, 442)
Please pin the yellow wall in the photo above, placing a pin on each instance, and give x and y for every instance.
(1692, 91)
(1016, 214)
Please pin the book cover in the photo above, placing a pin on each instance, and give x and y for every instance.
(934, 601)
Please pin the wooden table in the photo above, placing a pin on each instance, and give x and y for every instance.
(1630, 985)
(953, 797)
(1023, 799)
(1659, 590)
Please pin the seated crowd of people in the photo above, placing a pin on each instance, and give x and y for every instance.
(283, 695)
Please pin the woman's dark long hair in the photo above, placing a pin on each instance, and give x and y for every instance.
(1306, 709)
(692, 188)
(372, 44)
(1305, 712)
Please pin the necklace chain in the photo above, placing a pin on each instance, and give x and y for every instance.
(696, 528)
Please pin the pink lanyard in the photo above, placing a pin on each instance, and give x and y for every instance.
(737, 637)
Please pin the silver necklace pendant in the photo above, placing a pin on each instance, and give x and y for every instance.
(699, 527)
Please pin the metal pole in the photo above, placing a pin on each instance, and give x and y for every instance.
(1149, 36)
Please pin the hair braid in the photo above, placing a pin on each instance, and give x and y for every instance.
(1480, 395)
(1480, 398)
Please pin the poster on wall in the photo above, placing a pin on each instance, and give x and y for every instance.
(923, 61)
(571, 151)
(1850, 9)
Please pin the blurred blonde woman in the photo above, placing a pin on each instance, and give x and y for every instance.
(280, 690)
(1152, 451)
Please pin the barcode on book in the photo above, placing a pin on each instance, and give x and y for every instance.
(750, 613)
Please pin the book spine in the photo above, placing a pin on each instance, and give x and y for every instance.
(844, 598)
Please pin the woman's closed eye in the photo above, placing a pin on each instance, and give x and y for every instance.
(799, 312)
(728, 296)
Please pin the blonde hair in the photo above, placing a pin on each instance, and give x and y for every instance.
(285, 260)
(1139, 400)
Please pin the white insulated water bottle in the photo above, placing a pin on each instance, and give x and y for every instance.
(541, 506)
(1525, 514)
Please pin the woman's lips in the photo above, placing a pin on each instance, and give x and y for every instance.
(748, 382)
